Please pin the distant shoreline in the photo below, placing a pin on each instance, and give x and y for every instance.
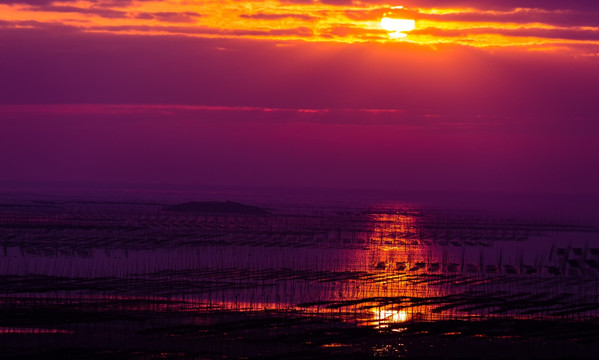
(217, 207)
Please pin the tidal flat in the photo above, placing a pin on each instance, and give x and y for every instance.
(135, 280)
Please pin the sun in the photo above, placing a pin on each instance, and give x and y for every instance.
(397, 27)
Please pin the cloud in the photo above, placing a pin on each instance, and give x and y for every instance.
(102, 12)
(518, 16)
(581, 5)
(170, 17)
(53, 27)
(202, 113)
(324, 22)
(58, 27)
(97, 3)
(30, 2)
(205, 30)
(559, 34)
(344, 31)
(522, 16)
(268, 16)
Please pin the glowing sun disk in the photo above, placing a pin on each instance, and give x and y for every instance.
(397, 27)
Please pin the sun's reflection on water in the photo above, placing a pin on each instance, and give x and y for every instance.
(400, 267)
(392, 228)
(382, 317)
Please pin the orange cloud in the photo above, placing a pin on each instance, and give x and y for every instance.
(470, 23)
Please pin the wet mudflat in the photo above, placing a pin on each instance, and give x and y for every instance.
(133, 280)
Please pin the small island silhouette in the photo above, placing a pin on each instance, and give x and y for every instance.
(217, 207)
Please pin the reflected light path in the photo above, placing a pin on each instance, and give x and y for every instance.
(383, 317)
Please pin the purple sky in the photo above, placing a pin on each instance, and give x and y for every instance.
(104, 107)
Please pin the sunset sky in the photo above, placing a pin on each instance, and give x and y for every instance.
(494, 95)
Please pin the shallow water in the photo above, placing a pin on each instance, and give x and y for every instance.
(103, 279)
